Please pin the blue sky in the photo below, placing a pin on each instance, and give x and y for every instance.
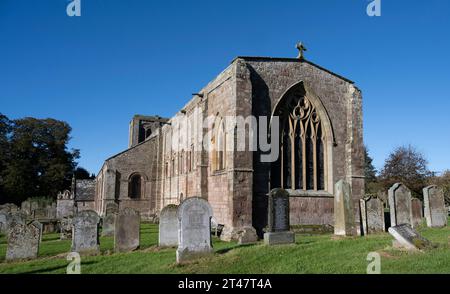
(121, 58)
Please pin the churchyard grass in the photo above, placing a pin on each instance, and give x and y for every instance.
(310, 254)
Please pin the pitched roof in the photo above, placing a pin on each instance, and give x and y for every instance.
(283, 59)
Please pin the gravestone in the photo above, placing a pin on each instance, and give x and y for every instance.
(416, 212)
(408, 238)
(16, 217)
(194, 229)
(127, 230)
(65, 227)
(40, 213)
(278, 231)
(85, 232)
(3, 222)
(23, 240)
(372, 214)
(65, 205)
(51, 211)
(9, 207)
(435, 211)
(109, 221)
(33, 206)
(111, 207)
(247, 235)
(168, 226)
(400, 205)
(25, 207)
(344, 217)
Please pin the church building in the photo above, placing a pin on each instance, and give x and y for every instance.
(319, 136)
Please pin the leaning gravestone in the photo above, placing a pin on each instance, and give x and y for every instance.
(435, 211)
(127, 230)
(416, 212)
(109, 221)
(23, 240)
(408, 238)
(85, 232)
(194, 229)
(278, 231)
(400, 205)
(344, 215)
(372, 215)
(168, 226)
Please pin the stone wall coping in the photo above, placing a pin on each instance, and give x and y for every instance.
(302, 193)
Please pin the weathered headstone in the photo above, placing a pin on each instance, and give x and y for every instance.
(109, 221)
(25, 207)
(51, 211)
(16, 217)
(408, 238)
(435, 211)
(247, 235)
(127, 230)
(40, 213)
(85, 232)
(416, 212)
(65, 205)
(344, 215)
(3, 222)
(400, 205)
(168, 226)
(278, 231)
(9, 207)
(33, 206)
(65, 227)
(194, 229)
(23, 240)
(372, 214)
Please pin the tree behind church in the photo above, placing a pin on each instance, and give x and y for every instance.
(39, 163)
(372, 185)
(443, 182)
(408, 166)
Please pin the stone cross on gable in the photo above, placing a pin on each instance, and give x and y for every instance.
(301, 48)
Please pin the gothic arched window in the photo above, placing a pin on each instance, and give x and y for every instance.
(301, 165)
(219, 147)
(135, 186)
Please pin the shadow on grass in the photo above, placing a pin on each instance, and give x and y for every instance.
(50, 238)
(54, 268)
(225, 250)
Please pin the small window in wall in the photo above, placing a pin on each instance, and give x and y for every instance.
(135, 186)
(166, 169)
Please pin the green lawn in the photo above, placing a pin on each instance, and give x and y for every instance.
(310, 254)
